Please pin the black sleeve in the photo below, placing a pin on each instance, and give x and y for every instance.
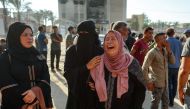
(11, 92)
(136, 70)
(44, 84)
(72, 71)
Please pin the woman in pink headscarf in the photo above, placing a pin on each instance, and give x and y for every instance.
(111, 75)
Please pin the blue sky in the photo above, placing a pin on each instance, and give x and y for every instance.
(165, 10)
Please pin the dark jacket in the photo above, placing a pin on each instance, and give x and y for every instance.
(130, 42)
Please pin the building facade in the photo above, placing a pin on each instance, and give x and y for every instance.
(136, 22)
(102, 12)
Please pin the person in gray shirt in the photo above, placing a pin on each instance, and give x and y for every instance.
(156, 63)
(56, 40)
(70, 37)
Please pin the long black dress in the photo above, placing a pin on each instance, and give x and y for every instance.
(80, 96)
(76, 73)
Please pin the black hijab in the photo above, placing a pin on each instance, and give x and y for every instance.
(88, 44)
(15, 48)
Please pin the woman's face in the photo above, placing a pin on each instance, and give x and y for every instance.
(111, 45)
(26, 38)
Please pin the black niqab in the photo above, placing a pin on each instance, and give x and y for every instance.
(88, 44)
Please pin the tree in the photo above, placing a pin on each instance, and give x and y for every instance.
(5, 4)
(186, 25)
(44, 15)
(20, 5)
(47, 15)
(147, 21)
(51, 17)
(38, 17)
(175, 24)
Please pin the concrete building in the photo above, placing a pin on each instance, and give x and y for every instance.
(136, 22)
(102, 12)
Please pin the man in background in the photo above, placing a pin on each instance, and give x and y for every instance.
(130, 40)
(56, 40)
(157, 59)
(122, 28)
(141, 46)
(176, 48)
(42, 41)
(70, 36)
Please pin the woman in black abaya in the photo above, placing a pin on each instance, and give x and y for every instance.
(80, 58)
(24, 75)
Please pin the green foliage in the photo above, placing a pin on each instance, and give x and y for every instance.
(5, 13)
(20, 5)
(147, 21)
(44, 15)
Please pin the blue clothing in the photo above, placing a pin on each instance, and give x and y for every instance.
(172, 84)
(42, 46)
(176, 48)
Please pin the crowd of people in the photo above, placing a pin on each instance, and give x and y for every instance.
(115, 75)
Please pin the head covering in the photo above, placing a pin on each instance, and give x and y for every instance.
(86, 26)
(14, 33)
(117, 65)
(186, 31)
(88, 43)
(15, 47)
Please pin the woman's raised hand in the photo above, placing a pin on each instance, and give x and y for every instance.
(93, 62)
